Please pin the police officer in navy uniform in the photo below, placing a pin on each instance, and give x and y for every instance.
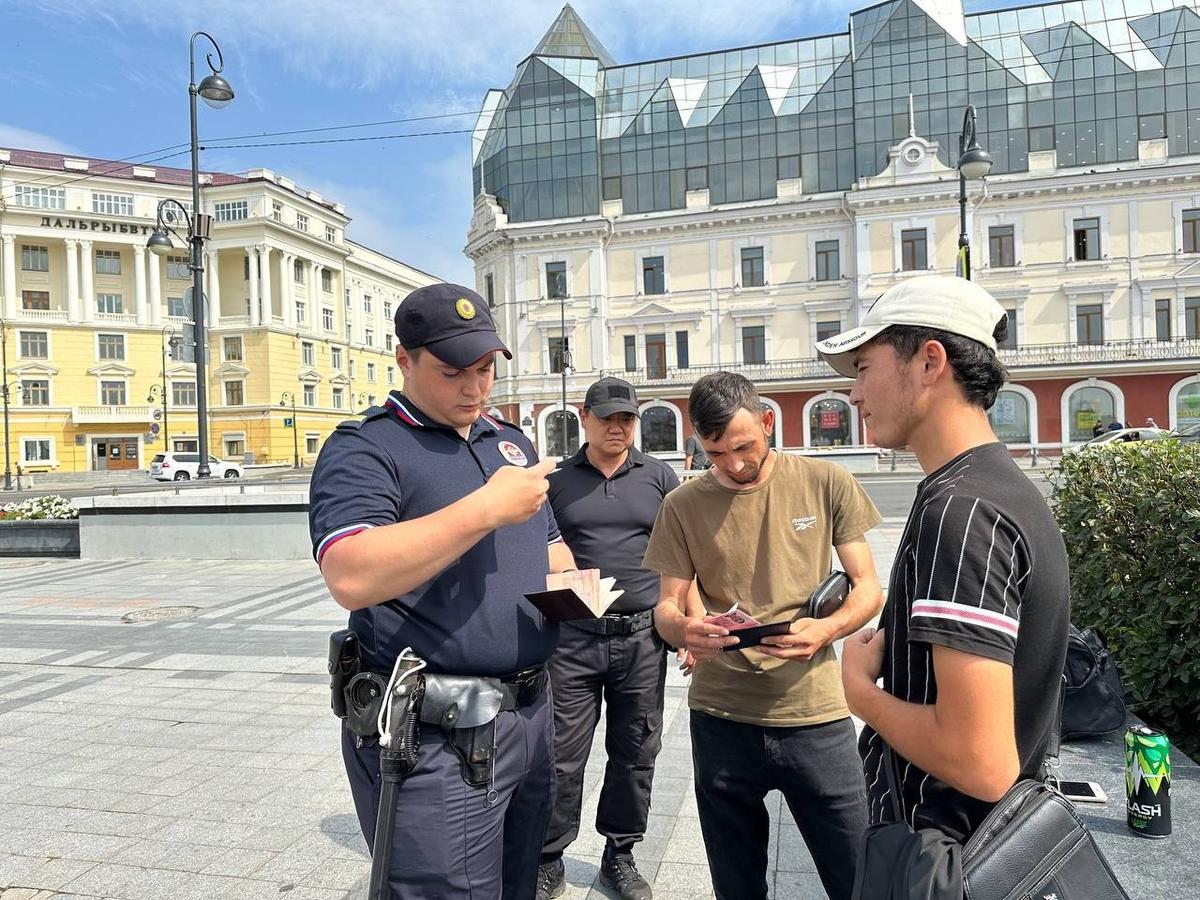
(429, 522)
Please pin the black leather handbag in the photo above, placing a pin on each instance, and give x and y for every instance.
(1094, 699)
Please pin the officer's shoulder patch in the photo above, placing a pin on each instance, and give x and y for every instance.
(504, 423)
(373, 412)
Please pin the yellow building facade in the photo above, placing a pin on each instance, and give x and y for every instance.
(99, 342)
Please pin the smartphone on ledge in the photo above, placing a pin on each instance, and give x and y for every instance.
(1082, 791)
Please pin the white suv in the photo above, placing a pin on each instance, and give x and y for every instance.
(183, 466)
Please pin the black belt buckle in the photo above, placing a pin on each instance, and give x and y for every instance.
(527, 684)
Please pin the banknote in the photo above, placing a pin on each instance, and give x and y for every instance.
(734, 619)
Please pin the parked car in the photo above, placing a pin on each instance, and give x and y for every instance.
(1188, 434)
(183, 466)
(1124, 436)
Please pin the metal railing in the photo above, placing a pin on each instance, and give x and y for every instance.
(777, 370)
(111, 413)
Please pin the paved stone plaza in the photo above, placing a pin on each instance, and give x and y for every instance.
(196, 757)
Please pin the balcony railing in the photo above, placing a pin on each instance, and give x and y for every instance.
(43, 315)
(120, 318)
(84, 415)
(1027, 356)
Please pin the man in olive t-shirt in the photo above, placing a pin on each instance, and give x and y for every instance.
(759, 530)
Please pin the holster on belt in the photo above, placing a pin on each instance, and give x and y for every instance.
(465, 708)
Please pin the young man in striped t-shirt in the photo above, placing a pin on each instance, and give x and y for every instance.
(972, 640)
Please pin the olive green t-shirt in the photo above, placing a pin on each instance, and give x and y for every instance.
(765, 548)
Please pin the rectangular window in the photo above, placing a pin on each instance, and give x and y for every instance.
(630, 353)
(298, 271)
(1162, 319)
(367, 304)
(233, 393)
(111, 346)
(231, 346)
(327, 281)
(231, 210)
(391, 375)
(112, 204)
(754, 345)
(35, 392)
(331, 234)
(179, 268)
(301, 312)
(235, 448)
(310, 395)
(556, 280)
(1191, 231)
(335, 358)
(41, 197)
(276, 210)
(35, 259)
(327, 318)
(308, 353)
(108, 262)
(302, 221)
(913, 250)
(389, 342)
(352, 368)
(35, 345)
(369, 337)
(1191, 318)
(37, 450)
(35, 299)
(339, 398)
(183, 393)
(829, 264)
(612, 187)
(697, 178)
(112, 393)
(654, 275)
(1089, 324)
(370, 371)
(178, 308)
(1087, 239)
(489, 292)
(1001, 249)
(681, 350)
(1011, 340)
(828, 328)
(112, 304)
(787, 167)
(312, 444)
(387, 309)
(753, 274)
(560, 350)
(656, 356)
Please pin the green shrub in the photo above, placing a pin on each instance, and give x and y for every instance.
(1130, 516)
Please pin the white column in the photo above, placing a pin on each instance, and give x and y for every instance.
(72, 280)
(88, 266)
(286, 305)
(254, 299)
(139, 285)
(212, 283)
(264, 255)
(9, 306)
(155, 278)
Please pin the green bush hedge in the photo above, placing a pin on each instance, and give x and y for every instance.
(1130, 516)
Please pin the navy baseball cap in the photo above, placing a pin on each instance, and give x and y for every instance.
(450, 321)
(609, 396)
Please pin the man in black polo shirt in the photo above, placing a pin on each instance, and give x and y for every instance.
(605, 499)
(972, 639)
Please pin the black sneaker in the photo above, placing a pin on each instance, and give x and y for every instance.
(551, 880)
(619, 872)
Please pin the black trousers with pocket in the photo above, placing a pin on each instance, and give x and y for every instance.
(627, 673)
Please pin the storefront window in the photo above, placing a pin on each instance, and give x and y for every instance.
(1187, 406)
(554, 430)
(829, 423)
(1088, 407)
(658, 430)
(1009, 416)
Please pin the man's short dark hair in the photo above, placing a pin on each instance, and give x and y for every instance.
(716, 398)
(976, 368)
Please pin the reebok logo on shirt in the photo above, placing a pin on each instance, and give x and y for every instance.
(803, 523)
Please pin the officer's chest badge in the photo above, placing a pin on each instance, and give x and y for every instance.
(513, 453)
(465, 308)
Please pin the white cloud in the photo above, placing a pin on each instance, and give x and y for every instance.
(23, 139)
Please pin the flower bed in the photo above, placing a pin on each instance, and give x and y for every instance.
(40, 526)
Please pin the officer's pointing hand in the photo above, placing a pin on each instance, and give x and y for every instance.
(516, 493)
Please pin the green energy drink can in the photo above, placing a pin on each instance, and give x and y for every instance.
(1148, 781)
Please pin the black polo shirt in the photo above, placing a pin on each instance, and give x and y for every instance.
(394, 465)
(607, 521)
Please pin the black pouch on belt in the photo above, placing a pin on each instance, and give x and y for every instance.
(345, 662)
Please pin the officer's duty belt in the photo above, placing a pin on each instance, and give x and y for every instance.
(615, 623)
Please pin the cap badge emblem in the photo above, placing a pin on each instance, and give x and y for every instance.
(465, 308)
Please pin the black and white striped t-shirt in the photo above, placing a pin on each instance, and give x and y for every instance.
(981, 568)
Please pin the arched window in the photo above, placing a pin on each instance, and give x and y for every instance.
(829, 423)
(1187, 406)
(1088, 407)
(554, 434)
(659, 430)
(1009, 416)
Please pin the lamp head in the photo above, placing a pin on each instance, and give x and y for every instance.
(975, 162)
(160, 242)
(215, 91)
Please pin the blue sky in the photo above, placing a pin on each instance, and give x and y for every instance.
(108, 78)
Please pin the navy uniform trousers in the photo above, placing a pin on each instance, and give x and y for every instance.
(450, 842)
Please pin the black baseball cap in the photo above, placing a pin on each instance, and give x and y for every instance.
(450, 321)
(609, 396)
